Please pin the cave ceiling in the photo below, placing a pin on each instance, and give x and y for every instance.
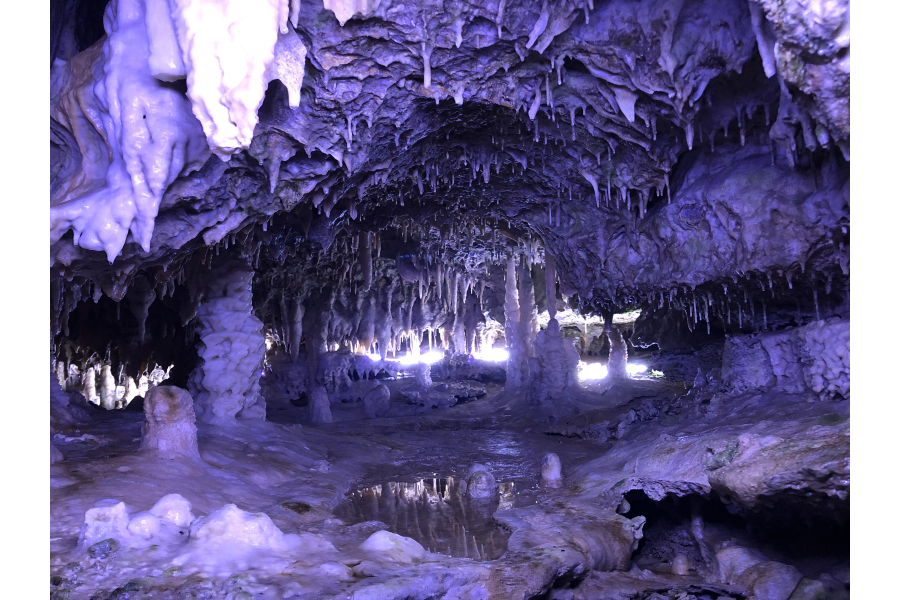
(652, 147)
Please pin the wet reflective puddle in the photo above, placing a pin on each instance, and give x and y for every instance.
(436, 513)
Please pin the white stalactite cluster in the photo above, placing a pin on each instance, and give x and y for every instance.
(232, 347)
(226, 50)
(135, 133)
(135, 136)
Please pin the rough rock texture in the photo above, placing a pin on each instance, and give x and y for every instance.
(825, 355)
(748, 466)
(766, 579)
(393, 547)
(225, 383)
(55, 454)
(814, 357)
(323, 193)
(746, 365)
(169, 428)
(377, 402)
(808, 44)
(605, 540)
(423, 375)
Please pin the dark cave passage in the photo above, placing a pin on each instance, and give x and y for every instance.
(810, 534)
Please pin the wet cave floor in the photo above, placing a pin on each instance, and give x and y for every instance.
(648, 442)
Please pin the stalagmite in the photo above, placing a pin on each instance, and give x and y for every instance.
(319, 405)
(169, 428)
(554, 372)
(107, 387)
(90, 385)
(551, 471)
(377, 402)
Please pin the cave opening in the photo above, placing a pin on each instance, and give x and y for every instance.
(809, 532)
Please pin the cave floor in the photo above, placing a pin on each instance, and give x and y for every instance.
(639, 435)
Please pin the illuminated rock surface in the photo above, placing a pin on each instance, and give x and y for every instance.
(470, 300)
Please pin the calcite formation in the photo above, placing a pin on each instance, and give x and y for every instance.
(352, 280)
(169, 428)
(226, 383)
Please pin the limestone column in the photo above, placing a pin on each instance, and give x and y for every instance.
(528, 323)
(520, 323)
(550, 281)
(316, 319)
(232, 347)
(618, 350)
(295, 326)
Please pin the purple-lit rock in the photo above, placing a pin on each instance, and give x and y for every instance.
(410, 258)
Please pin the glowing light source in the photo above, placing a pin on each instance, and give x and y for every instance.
(428, 358)
(492, 355)
(591, 372)
(435, 356)
(594, 371)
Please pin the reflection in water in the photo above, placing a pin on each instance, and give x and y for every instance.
(435, 513)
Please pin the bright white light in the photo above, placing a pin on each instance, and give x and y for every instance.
(492, 355)
(591, 372)
(428, 358)
(594, 371)
(374, 356)
(435, 356)
(408, 359)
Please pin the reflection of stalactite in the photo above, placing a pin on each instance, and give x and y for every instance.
(436, 513)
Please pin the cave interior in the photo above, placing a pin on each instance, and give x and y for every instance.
(463, 299)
